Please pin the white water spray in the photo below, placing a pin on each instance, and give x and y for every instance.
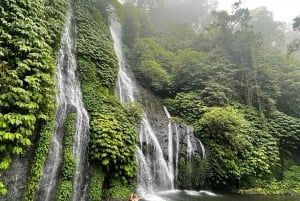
(68, 99)
(152, 164)
(155, 173)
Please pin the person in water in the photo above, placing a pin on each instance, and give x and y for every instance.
(133, 197)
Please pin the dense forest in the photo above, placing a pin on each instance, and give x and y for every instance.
(233, 76)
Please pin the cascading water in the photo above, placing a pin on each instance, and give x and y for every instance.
(68, 99)
(153, 168)
(156, 170)
(153, 154)
(193, 145)
(202, 149)
(170, 145)
(177, 152)
(189, 146)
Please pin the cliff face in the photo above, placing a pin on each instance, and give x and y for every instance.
(24, 156)
(30, 38)
(203, 86)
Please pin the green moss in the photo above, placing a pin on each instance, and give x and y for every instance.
(94, 44)
(40, 157)
(96, 184)
(119, 190)
(112, 131)
(29, 42)
(69, 163)
(64, 190)
(191, 172)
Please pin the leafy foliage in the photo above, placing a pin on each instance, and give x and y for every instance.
(40, 156)
(112, 131)
(188, 106)
(289, 99)
(113, 139)
(134, 110)
(229, 138)
(93, 31)
(69, 163)
(287, 130)
(64, 190)
(96, 184)
(150, 62)
(118, 190)
(191, 172)
(28, 38)
(291, 179)
(188, 69)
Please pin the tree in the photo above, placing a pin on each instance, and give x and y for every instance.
(131, 26)
(295, 44)
(237, 150)
(271, 31)
(151, 63)
(296, 24)
(189, 67)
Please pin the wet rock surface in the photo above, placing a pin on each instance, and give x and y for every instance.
(15, 179)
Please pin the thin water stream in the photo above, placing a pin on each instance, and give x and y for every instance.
(68, 99)
(153, 170)
(156, 173)
(157, 170)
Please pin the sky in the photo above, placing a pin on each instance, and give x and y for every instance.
(283, 10)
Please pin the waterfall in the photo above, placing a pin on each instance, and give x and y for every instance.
(162, 176)
(202, 149)
(152, 166)
(177, 152)
(68, 99)
(170, 145)
(126, 88)
(196, 146)
(156, 168)
(189, 146)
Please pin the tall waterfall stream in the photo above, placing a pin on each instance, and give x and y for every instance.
(68, 99)
(156, 169)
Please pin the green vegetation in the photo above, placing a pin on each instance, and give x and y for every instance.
(96, 184)
(248, 154)
(112, 131)
(29, 40)
(231, 80)
(113, 139)
(134, 110)
(191, 172)
(188, 106)
(119, 190)
(69, 163)
(40, 157)
(64, 190)
(91, 32)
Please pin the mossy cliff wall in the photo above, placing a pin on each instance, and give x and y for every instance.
(30, 33)
(112, 131)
